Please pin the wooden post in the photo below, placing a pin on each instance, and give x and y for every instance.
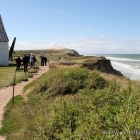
(14, 82)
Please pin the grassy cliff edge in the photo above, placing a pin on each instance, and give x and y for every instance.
(75, 102)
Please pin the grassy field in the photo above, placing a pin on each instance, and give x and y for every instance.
(54, 55)
(51, 54)
(8, 74)
(74, 103)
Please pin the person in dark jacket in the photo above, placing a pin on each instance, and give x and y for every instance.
(28, 58)
(41, 60)
(18, 62)
(34, 60)
(45, 60)
(25, 62)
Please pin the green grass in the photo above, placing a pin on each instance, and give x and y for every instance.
(8, 74)
(17, 121)
(82, 104)
(73, 103)
(51, 54)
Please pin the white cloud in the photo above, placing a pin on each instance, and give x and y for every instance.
(98, 46)
(114, 48)
(87, 45)
(102, 35)
(53, 44)
(21, 45)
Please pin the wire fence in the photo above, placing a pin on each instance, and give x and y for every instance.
(40, 129)
(43, 136)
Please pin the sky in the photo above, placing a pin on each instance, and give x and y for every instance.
(88, 26)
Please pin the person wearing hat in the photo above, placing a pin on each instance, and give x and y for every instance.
(18, 62)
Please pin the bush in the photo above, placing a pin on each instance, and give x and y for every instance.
(95, 80)
(68, 81)
(72, 80)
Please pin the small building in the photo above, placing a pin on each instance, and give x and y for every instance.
(4, 47)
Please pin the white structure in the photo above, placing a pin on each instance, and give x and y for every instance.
(4, 51)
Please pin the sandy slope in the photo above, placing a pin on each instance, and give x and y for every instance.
(6, 93)
(55, 48)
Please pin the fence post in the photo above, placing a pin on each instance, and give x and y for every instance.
(14, 82)
(34, 65)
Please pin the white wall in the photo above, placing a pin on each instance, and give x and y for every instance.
(4, 53)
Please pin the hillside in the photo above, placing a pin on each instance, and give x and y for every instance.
(72, 57)
(73, 101)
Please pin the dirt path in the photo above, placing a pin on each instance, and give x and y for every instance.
(6, 93)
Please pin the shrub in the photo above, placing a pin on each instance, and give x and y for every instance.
(68, 81)
(95, 80)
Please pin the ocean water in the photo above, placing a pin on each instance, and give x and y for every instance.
(127, 64)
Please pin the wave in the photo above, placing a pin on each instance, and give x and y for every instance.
(127, 70)
(122, 59)
(115, 58)
(128, 65)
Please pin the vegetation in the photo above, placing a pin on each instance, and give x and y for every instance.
(51, 54)
(70, 102)
(59, 55)
(8, 74)
(75, 104)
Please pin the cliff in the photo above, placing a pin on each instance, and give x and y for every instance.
(103, 65)
(73, 53)
(91, 62)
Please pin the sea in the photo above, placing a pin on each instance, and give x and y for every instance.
(127, 64)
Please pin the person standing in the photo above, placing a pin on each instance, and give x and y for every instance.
(34, 60)
(18, 62)
(41, 60)
(28, 59)
(45, 60)
(31, 60)
(25, 61)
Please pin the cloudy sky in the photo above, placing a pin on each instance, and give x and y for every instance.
(88, 26)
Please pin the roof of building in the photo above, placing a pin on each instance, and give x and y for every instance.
(3, 35)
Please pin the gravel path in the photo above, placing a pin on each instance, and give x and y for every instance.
(6, 93)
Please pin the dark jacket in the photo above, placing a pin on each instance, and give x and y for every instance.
(25, 60)
(18, 61)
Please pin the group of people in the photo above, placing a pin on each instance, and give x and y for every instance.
(29, 60)
(43, 60)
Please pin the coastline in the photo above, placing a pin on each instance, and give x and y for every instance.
(127, 64)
